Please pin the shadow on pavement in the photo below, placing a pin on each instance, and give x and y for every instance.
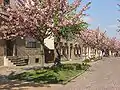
(6, 84)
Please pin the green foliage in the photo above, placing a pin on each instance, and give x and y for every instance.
(52, 75)
(56, 19)
(87, 61)
(74, 66)
(69, 32)
(96, 58)
(85, 66)
(6, 2)
(93, 58)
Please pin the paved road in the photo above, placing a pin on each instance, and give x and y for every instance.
(104, 75)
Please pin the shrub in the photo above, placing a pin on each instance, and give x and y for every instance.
(93, 58)
(85, 66)
(74, 66)
(87, 60)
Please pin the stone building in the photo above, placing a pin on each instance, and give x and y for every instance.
(78, 50)
(24, 51)
(20, 52)
(28, 51)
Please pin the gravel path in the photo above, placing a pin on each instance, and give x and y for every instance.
(104, 75)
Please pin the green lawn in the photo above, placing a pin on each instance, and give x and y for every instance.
(52, 75)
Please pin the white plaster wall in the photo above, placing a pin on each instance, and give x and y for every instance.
(49, 42)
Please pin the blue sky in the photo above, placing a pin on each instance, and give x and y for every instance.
(104, 13)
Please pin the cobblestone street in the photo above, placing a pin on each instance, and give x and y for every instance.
(103, 75)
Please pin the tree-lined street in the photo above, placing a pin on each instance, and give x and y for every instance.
(47, 43)
(103, 75)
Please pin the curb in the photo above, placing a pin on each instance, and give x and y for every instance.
(64, 83)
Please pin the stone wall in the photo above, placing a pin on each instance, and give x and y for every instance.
(34, 54)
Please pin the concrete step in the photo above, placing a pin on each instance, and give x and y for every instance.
(17, 61)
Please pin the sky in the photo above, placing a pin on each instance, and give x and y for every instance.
(103, 13)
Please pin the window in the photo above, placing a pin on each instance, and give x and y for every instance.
(30, 43)
(6, 2)
(37, 60)
(26, 61)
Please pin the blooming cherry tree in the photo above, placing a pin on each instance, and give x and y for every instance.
(41, 18)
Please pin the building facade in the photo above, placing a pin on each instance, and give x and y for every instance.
(20, 52)
(78, 50)
(28, 51)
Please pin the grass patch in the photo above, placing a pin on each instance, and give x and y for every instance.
(53, 75)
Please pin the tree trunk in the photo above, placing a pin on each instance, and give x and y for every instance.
(57, 60)
(43, 55)
(42, 46)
